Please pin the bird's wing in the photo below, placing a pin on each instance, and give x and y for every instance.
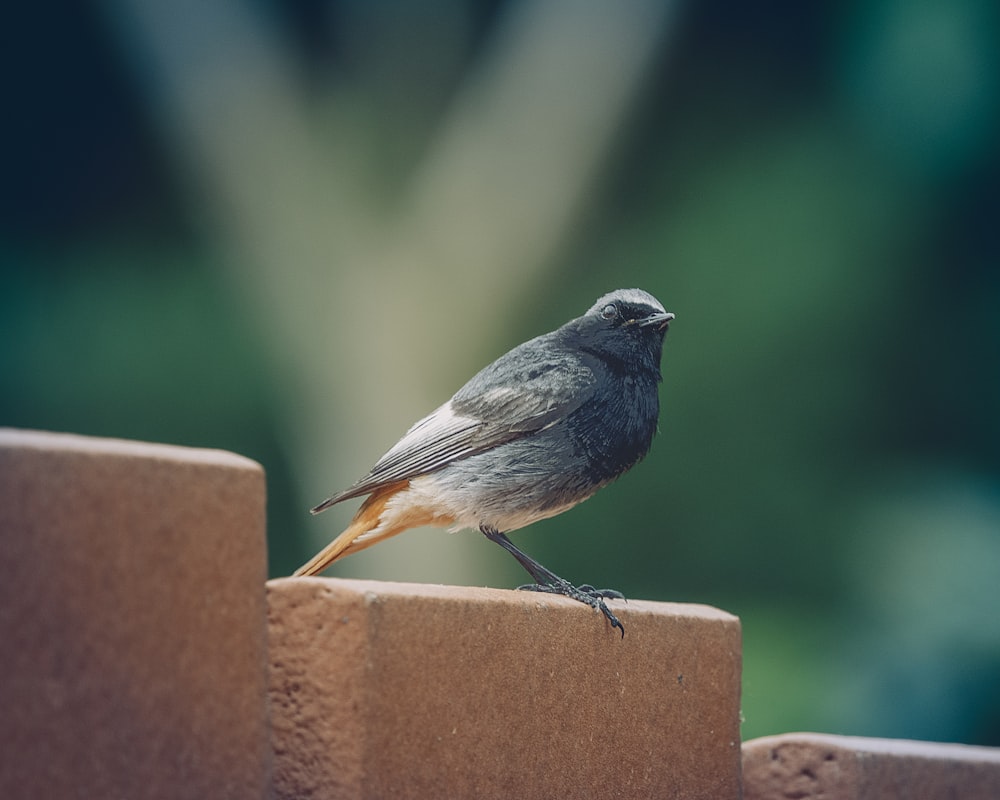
(531, 387)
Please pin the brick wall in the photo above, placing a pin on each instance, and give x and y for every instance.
(144, 656)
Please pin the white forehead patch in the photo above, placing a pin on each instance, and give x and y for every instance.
(636, 296)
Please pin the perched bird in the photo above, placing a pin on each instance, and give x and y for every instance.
(536, 432)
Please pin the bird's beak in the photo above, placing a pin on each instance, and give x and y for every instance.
(660, 320)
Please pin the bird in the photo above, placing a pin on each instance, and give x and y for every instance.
(531, 435)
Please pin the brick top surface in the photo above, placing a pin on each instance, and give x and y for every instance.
(17, 438)
(375, 591)
(909, 748)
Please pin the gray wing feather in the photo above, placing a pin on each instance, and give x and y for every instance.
(531, 387)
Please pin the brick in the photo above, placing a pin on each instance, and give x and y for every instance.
(133, 621)
(416, 691)
(812, 765)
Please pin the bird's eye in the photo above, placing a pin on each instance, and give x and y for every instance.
(609, 311)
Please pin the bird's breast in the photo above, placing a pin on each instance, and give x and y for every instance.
(615, 431)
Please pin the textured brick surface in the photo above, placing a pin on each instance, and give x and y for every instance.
(132, 621)
(400, 690)
(811, 765)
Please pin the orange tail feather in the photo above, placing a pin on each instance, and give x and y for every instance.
(358, 535)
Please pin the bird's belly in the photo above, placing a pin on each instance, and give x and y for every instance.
(508, 487)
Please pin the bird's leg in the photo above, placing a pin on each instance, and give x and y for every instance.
(547, 581)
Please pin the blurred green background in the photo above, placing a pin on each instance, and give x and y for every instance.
(291, 229)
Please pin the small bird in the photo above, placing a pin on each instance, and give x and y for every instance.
(539, 430)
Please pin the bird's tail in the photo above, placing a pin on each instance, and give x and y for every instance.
(370, 526)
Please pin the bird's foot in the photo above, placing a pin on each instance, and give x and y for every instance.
(584, 593)
(610, 594)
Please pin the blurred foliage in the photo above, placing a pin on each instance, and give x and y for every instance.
(139, 342)
(811, 188)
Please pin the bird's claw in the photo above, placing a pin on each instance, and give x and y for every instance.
(609, 594)
(584, 593)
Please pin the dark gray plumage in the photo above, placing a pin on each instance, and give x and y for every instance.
(534, 433)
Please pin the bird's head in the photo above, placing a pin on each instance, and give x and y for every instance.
(625, 326)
